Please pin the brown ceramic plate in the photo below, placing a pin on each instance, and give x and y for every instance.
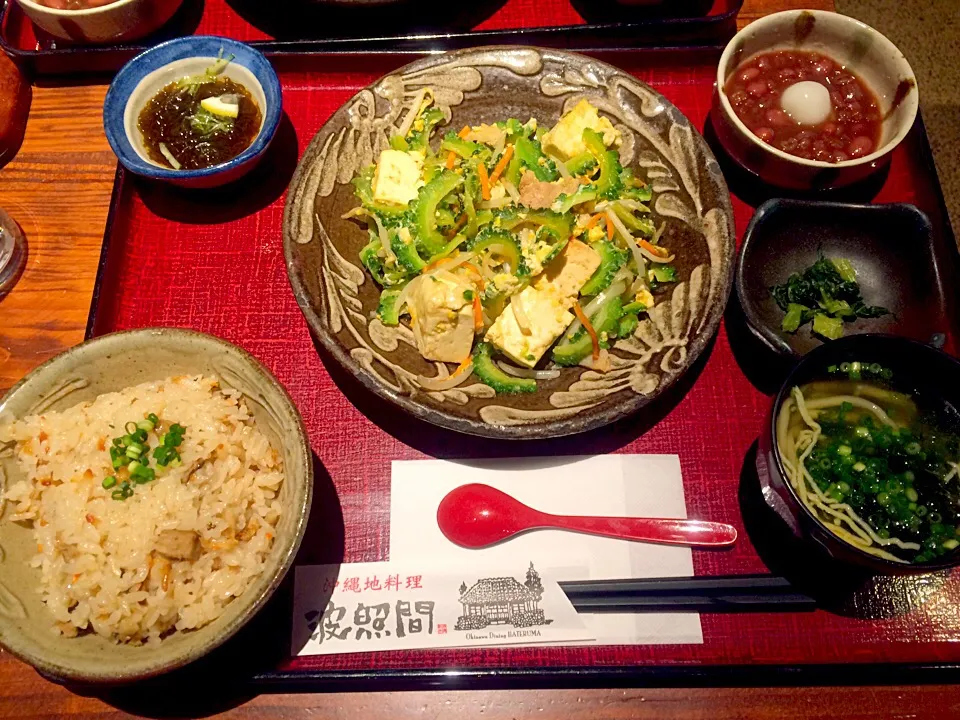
(487, 85)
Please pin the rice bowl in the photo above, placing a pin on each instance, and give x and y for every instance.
(112, 565)
(157, 633)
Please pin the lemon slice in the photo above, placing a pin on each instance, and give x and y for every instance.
(221, 106)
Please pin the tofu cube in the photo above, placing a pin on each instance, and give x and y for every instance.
(398, 177)
(443, 317)
(548, 318)
(567, 273)
(565, 139)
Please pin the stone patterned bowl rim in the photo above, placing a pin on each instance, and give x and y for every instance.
(450, 421)
(277, 566)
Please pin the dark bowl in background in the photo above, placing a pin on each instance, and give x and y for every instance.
(917, 367)
(608, 11)
(363, 19)
(891, 247)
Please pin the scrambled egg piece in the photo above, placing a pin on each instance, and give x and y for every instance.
(596, 233)
(569, 271)
(398, 176)
(547, 317)
(505, 283)
(646, 297)
(442, 314)
(566, 138)
(528, 246)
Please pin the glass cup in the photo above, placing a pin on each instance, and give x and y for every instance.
(12, 252)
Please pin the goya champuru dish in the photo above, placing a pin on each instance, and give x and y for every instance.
(510, 249)
(877, 465)
(152, 508)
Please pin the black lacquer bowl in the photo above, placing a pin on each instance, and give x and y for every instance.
(916, 367)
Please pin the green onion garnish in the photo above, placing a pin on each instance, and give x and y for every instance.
(143, 474)
(132, 451)
(165, 455)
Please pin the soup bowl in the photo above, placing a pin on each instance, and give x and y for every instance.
(150, 71)
(931, 373)
(857, 47)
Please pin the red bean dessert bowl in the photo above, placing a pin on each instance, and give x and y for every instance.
(812, 100)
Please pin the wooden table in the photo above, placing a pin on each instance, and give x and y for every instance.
(58, 188)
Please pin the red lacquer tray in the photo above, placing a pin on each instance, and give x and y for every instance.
(280, 29)
(214, 262)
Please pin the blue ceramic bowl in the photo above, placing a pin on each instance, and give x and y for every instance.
(144, 76)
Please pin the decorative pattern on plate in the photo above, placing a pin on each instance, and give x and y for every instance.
(486, 85)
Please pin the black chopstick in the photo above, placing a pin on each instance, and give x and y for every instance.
(720, 593)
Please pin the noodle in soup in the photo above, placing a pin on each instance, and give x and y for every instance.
(875, 466)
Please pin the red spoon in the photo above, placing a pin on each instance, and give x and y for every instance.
(476, 516)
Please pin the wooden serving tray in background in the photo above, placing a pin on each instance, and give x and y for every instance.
(548, 23)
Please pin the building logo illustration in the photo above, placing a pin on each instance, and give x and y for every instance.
(502, 601)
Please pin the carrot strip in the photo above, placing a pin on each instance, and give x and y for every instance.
(463, 133)
(585, 321)
(609, 229)
(650, 247)
(502, 165)
(462, 366)
(594, 220)
(451, 159)
(484, 181)
(431, 266)
(477, 313)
